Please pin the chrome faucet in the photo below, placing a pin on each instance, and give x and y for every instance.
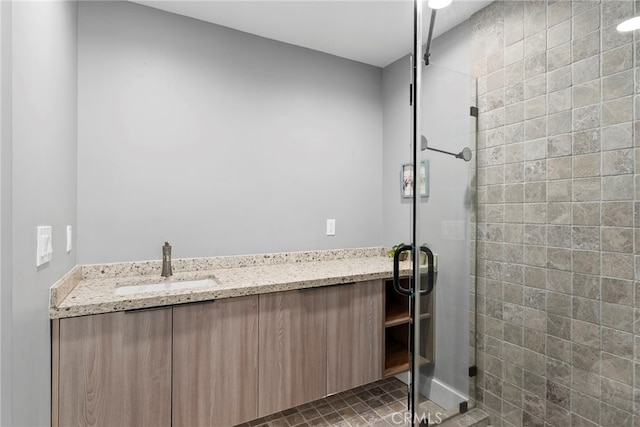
(166, 260)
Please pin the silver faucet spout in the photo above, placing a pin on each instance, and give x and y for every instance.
(166, 260)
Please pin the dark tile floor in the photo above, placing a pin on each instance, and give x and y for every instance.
(379, 404)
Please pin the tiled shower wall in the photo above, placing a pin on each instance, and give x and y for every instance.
(558, 210)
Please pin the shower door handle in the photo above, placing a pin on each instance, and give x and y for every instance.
(430, 271)
(396, 271)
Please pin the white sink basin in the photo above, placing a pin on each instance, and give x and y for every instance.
(164, 286)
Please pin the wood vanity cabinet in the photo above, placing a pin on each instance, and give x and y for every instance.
(215, 362)
(355, 318)
(114, 369)
(292, 342)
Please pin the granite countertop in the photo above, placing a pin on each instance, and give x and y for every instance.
(91, 289)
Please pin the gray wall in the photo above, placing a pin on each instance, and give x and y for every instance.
(5, 225)
(41, 190)
(219, 141)
(558, 248)
(396, 78)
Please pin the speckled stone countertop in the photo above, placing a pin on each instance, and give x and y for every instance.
(91, 289)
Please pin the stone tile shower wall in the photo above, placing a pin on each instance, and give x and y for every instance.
(558, 211)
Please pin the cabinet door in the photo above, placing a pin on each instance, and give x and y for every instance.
(293, 352)
(115, 369)
(354, 335)
(215, 362)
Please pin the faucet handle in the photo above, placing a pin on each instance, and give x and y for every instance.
(166, 260)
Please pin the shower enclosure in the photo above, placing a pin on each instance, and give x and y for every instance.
(445, 222)
(442, 222)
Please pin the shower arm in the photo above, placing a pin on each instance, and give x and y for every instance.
(427, 52)
(465, 154)
(459, 155)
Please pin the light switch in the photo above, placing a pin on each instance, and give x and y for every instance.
(69, 238)
(44, 245)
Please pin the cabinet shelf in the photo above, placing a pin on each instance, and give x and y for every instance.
(401, 317)
(425, 316)
(396, 316)
(397, 359)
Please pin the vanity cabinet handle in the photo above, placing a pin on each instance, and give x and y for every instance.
(194, 302)
(326, 286)
(139, 310)
(143, 309)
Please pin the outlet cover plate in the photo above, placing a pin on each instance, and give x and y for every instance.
(331, 227)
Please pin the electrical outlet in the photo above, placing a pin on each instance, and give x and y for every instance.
(331, 227)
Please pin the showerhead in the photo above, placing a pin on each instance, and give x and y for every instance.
(465, 154)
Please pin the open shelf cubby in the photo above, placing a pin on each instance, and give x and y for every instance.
(397, 319)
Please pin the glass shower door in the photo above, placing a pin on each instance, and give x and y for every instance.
(443, 224)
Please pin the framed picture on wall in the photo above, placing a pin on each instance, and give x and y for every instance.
(407, 176)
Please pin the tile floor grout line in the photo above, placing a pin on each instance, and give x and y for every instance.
(375, 404)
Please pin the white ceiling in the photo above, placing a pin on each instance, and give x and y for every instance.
(375, 32)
